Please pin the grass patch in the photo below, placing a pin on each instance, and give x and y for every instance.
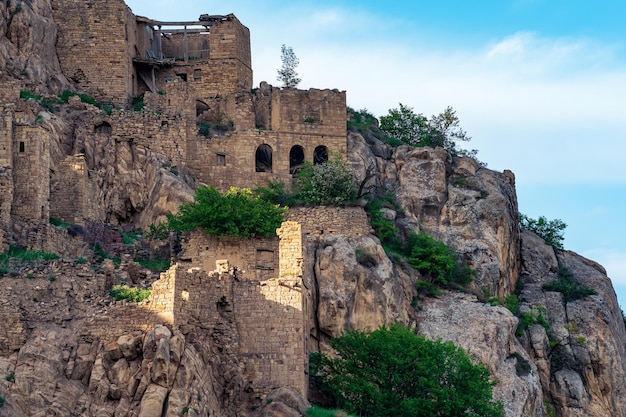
(536, 315)
(316, 411)
(24, 256)
(59, 223)
(156, 265)
(124, 292)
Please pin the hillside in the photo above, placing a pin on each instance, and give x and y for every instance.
(108, 149)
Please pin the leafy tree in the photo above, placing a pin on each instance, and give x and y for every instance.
(415, 129)
(235, 213)
(329, 184)
(394, 372)
(287, 73)
(551, 231)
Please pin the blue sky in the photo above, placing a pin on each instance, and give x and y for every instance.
(539, 85)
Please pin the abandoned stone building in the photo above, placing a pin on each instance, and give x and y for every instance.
(199, 110)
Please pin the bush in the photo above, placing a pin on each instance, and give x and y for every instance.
(394, 372)
(551, 231)
(237, 213)
(329, 184)
(530, 318)
(124, 292)
(566, 285)
(23, 256)
(437, 261)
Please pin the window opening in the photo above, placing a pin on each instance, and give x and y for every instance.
(221, 159)
(320, 155)
(21, 146)
(182, 75)
(296, 159)
(263, 158)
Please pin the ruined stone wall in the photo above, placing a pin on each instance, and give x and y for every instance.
(69, 191)
(229, 43)
(31, 174)
(6, 139)
(94, 43)
(317, 221)
(252, 259)
(229, 160)
(6, 202)
(49, 238)
(309, 112)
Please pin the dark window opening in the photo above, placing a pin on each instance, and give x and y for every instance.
(296, 159)
(201, 107)
(221, 159)
(320, 155)
(182, 75)
(165, 123)
(263, 158)
(21, 146)
(103, 127)
(197, 74)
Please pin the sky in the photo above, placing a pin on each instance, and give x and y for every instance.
(539, 85)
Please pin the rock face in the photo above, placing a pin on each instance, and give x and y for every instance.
(60, 358)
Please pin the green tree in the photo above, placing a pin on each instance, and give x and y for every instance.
(287, 73)
(237, 212)
(394, 372)
(331, 183)
(414, 129)
(551, 231)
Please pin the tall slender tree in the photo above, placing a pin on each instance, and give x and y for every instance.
(287, 73)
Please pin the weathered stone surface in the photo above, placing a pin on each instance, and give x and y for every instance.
(153, 401)
(488, 334)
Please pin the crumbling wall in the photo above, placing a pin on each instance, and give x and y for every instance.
(316, 221)
(94, 45)
(69, 192)
(250, 259)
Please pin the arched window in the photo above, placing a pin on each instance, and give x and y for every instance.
(296, 158)
(263, 158)
(320, 155)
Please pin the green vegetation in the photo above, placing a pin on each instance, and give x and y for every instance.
(138, 103)
(10, 377)
(274, 193)
(436, 261)
(237, 212)
(23, 257)
(156, 265)
(124, 292)
(48, 104)
(329, 184)
(1, 401)
(442, 130)
(383, 228)
(551, 231)
(316, 411)
(287, 72)
(536, 315)
(566, 285)
(364, 123)
(394, 372)
(59, 223)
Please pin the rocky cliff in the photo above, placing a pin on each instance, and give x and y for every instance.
(65, 352)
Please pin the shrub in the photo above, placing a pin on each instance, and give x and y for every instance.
(437, 261)
(551, 231)
(274, 193)
(329, 184)
(138, 103)
(10, 377)
(536, 315)
(59, 223)
(522, 366)
(383, 228)
(25, 256)
(237, 213)
(124, 292)
(566, 285)
(394, 372)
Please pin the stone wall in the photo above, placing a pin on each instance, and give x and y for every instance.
(317, 221)
(69, 191)
(94, 45)
(251, 259)
(31, 174)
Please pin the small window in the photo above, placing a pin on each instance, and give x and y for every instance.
(221, 159)
(164, 123)
(104, 128)
(182, 75)
(21, 146)
(197, 74)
